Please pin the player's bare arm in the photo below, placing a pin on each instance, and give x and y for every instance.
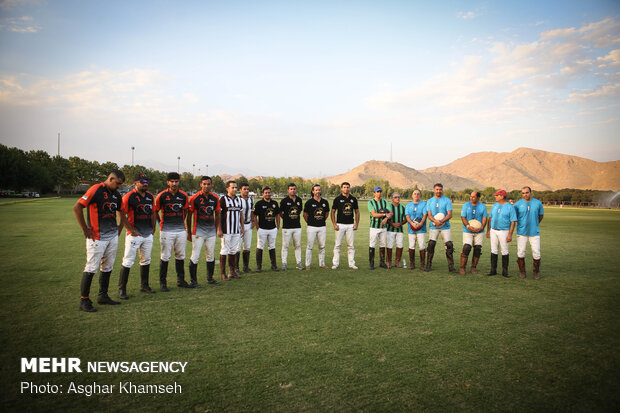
(333, 217)
(306, 217)
(435, 222)
(484, 222)
(153, 222)
(489, 229)
(512, 228)
(217, 220)
(470, 228)
(188, 221)
(125, 223)
(357, 219)
(78, 209)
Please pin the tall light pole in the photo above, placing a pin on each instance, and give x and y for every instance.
(178, 164)
(207, 170)
(58, 144)
(133, 148)
(193, 169)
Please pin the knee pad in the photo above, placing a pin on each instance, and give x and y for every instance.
(449, 246)
(467, 249)
(431, 246)
(477, 250)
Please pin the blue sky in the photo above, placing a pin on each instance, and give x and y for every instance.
(308, 88)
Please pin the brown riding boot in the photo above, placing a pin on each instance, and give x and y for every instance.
(521, 264)
(232, 266)
(422, 260)
(223, 275)
(412, 259)
(399, 257)
(536, 269)
(463, 264)
(474, 264)
(388, 262)
(382, 257)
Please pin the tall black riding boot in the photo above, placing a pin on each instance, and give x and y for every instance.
(371, 258)
(163, 274)
(85, 303)
(144, 279)
(259, 260)
(122, 283)
(180, 267)
(104, 283)
(430, 252)
(193, 276)
(450, 256)
(505, 262)
(493, 265)
(272, 258)
(246, 262)
(210, 271)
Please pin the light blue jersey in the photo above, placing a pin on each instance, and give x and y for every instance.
(414, 211)
(502, 215)
(470, 212)
(436, 205)
(527, 216)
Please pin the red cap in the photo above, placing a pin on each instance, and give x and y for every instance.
(501, 192)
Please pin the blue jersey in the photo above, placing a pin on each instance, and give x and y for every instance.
(414, 211)
(436, 205)
(502, 215)
(527, 216)
(470, 212)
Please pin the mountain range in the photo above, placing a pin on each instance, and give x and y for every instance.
(538, 169)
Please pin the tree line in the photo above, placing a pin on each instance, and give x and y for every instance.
(39, 171)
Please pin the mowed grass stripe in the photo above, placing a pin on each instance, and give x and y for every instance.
(324, 340)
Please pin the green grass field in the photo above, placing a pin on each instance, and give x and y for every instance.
(323, 340)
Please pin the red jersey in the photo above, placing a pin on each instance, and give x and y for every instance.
(139, 209)
(172, 207)
(203, 207)
(101, 204)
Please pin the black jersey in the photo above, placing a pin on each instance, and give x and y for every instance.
(102, 206)
(172, 208)
(291, 212)
(266, 212)
(345, 207)
(203, 207)
(139, 210)
(317, 212)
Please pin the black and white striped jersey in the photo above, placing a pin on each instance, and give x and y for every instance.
(231, 215)
(247, 205)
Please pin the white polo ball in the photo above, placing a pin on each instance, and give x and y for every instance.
(475, 224)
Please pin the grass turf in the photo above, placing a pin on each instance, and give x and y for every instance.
(323, 340)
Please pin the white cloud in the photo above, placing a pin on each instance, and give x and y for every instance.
(23, 24)
(519, 77)
(605, 91)
(612, 60)
(13, 4)
(466, 15)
